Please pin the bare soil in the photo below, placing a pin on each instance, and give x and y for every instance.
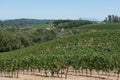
(71, 76)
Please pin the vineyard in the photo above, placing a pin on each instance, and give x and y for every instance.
(96, 28)
(60, 40)
(108, 26)
(88, 52)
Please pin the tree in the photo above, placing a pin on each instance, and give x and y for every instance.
(112, 19)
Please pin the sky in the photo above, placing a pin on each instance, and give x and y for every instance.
(58, 9)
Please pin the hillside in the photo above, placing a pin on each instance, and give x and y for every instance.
(20, 33)
(22, 23)
(44, 32)
(97, 51)
(96, 27)
(94, 51)
(99, 40)
(108, 26)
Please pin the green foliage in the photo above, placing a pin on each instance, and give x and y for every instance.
(108, 26)
(57, 22)
(11, 41)
(8, 41)
(19, 38)
(70, 24)
(95, 28)
(97, 50)
(22, 23)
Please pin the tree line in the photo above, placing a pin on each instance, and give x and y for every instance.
(20, 38)
(112, 19)
(65, 24)
(22, 23)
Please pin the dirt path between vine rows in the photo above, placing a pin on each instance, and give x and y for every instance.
(71, 76)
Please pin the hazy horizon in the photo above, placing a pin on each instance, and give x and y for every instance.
(62, 9)
(90, 19)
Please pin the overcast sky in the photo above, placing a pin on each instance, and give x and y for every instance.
(58, 9)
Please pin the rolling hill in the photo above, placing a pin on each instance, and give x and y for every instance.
(97, 51)
(105, 26)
